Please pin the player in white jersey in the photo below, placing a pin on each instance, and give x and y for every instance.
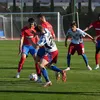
(50, 56)
(76, 44)
(47, 41)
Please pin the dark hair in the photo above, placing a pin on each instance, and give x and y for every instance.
(40, 15)
(38, 28)
(73, 24)
(31, 20)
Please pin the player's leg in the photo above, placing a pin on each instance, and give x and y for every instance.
(97, 57)
(41, 52)
(25, 51)
(58, 70)
(81, 51)
(43, 63)
(38, 71)
(71, 51)
(53, 59)
(97, 54)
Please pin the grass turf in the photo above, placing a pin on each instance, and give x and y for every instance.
(81, 84)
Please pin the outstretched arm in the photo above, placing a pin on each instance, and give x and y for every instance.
(20, 45)
(87, 28)
(91, 38)
(95, 38)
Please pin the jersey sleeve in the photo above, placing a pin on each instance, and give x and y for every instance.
(82, 33)
(42, 41)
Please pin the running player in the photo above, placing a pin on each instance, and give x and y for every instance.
(46, 24)
(51, 54)
(25, 46)
(76, 44)
(96, 26)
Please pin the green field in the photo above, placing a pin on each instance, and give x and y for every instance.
(81, 84)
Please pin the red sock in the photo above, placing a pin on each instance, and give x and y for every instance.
(21, 62)
(38, 70)
(97, 58)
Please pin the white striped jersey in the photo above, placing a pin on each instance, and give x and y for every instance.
(46, 40)
(76, 37)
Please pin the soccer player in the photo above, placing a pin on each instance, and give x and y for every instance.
(46, 24)
(96, 26)
(76, 44)
(51, 54)
(25, 47)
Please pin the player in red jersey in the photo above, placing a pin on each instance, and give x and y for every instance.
(96, 26)
(25, 46)
(46, 24)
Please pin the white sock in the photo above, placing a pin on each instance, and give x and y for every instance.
(97, 65)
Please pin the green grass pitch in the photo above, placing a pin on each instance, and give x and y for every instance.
(81, 84)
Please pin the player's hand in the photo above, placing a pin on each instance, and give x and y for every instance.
(94, 40)
(20, 51)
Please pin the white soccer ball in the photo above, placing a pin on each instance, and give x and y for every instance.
(33, 77)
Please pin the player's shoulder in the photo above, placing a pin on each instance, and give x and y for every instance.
(78, 29)
(24, 28)
(47, 23)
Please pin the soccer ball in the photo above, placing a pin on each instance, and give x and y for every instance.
(33, 77)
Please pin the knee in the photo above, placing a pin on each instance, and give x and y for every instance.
(41, 65)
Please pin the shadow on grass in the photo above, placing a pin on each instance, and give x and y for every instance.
(52, 92)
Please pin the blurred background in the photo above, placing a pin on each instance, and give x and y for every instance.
(14, 14)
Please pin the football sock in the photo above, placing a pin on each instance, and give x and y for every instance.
(54, 68)
(21, 62)
(45, 74)
(38, 69)
(97, 58)
(85, 59)
(68, 60)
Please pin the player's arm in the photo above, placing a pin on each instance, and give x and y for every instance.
(21, 44)
(95, 38)
(89, 36)
(87, 28)
(66, 41)
(53, 35)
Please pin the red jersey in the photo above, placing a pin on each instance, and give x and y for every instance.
(96, 26)
(25, 32)
(49, 27)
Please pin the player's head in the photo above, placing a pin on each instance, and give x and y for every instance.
(73, 26)
(99, 17)
(41, 17)
(39, 29)
(31, 22)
